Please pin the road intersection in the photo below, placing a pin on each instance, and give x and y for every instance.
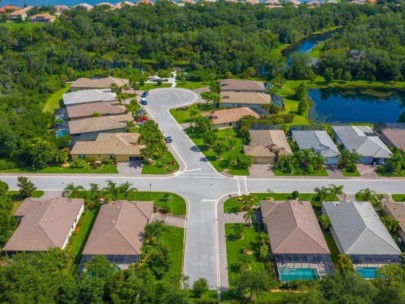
(200, 185)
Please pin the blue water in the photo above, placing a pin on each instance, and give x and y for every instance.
(61, 133)
(292, 274)
(350, 106)
(367, 272)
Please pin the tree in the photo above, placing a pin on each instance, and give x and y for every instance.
(126, 188)
(244, 161)
(391, 223)
(324, 221)
(26, 187)
(396, 163)
(237, 231)
(72, 191)
(365, 195)
(348, 160)
(211, 98)
(295, 194)
(249, 216)
(40, 152)
(157, 259)
(153, 232)
(215, 87)
(209, 138)
(303, 106)
(200, 287)
(335, 190)
(112, 190)
(344, 263)
(301, 92)
(219, 148)
(321, 193)
(252, 283)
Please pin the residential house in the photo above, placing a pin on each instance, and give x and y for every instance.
(87, 110)
(394, 137)
(89, 96)
(86, 6)
(253, 2)
(7, 9)
(397, 211)
(122, 147)
(317, 141)
(254, 101)
(99, 83)
(118, 233)
(242, 86)
(42, 18)
(273, 4)
(267, 145)
(229, 118)
(44, 224)
(110, 5)
(364, 141)
(293, 2)
(122, 4)
(359, 233)
(297, 243)
(22, 13)
(146, 2)
(59, 9)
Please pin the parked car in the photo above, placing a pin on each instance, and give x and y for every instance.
(168, 139)
(141, 120)
(144, 101)
(145, 94)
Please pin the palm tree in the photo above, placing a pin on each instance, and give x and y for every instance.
(396, 162)
(321, 193)
(95, 190)
(112, 190)
(153, 232)
(249, 216)
(72, 191)
(248, 202)
(126, 188)
(348, 160)
(365, 195)
(335, 190)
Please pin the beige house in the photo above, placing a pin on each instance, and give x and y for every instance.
(119, 146)
(229, 118)
(42, 18)
(118, 233)
(100, 83)
(20, 13)
(242, 86)
(44, 224)
(267, 145)
(87, 110)
(397, 211)
(254, 101)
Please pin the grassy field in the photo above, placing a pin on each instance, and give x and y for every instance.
(173, 237)
(17, 199)
(165, 165)
(321, 172)
(191, 85)
(105, 169)
(316, 51)
(398, 197)
(351, 174)
(183, 115)
(53, 101)
(151, 86)
(291, 106)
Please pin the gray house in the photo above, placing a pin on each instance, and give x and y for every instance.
(89, 96)
(364, 141)
(319, 142)
(359, 233)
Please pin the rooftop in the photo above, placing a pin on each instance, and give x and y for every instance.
(397, 211)
(396, 137)
(95, 124)
(229, 115)
(317, 141)
(245, 97)
(87, 96)
(274, 140)
(241, 85)
(88, 109)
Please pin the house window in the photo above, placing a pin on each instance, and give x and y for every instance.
(81, 156)
(111, 156)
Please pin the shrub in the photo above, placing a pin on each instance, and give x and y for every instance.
(5, 164)
(78, 164)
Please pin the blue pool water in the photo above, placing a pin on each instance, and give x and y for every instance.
(351, 106)
(292, 274)
(61, 133)
(367, 272)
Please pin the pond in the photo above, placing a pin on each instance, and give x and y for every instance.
(355, 105)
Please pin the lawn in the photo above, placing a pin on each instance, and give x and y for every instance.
(151, 86)
(389, 174)
(398, 197)
(173, 237)
(53, 101)
(334, 252)
(291, 106)
(223, 164)
(233, 204)
(321, 172)
(191, 85)
(347, 173)
(105, 169)
(183, 115)
(17, 199)
(316, 51)
(165, 165)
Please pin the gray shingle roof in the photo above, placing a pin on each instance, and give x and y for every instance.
(86, 96)
(362, 140)
(358, 229)
(317, 141)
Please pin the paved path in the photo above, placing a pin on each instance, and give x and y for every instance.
(200, 185)
(170, 220)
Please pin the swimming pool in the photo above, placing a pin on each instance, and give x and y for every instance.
(291, 274)
(367, 272)
(61, 133)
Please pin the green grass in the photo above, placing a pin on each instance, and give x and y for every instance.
(316, 51)
(389, 174)
(151, 86)
(334, 252)
(222, 164)
(17, 199)
(105, 169)
(173, 238)
(191, 85)
(398, 197)
(321, 172)
(53, 101)
(183, 115)
(165, 165)
(233, 204)
(347, 173)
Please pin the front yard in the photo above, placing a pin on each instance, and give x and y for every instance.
(191, 85)
(356, 173)
(321, 172)
(166, 165)
(183, 114)
(173, 238)
(105, 169)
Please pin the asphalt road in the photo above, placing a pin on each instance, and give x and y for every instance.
(200, 185)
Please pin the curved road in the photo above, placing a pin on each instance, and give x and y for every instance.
(200, 185)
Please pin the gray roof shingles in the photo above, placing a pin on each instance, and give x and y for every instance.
(317, 141)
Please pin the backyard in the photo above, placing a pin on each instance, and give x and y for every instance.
(53, 101)
(183, 115)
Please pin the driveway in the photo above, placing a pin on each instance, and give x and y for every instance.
(132, 168)
(367, 171)
(261, 171)
(334, 172)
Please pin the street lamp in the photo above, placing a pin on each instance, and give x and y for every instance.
(150, 187)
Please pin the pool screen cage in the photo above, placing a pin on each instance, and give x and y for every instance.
(322, 262)
(122, 261)
(373, 260)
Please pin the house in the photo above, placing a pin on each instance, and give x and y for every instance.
(393, 137)
(110, 5)
(22, 13)
(273, 4)
(59, 9)
(38, 18)
(253, 2)
(359, 233)
(397, 211)
(296, 240)
(242, 86)
(293, 2)
(88, 96)
(118, 233)
(98, 83)
(122, 4)
(267, 145)
(44, 224)
(9, 9)
(317, 141)
(229, 118)
(122, 147)
(254, 101)
(90, 128)
(87, 110)
(364, 141)
(86, 6)
(146, 2)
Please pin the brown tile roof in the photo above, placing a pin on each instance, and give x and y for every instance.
(110, 144)
(397, 211)
(9, 9)
(95, 124)
(256, 151)
(293, 228)
(22, 11)
(148, 2)
(241, 85)
(46, 223)
(229, 115)
(274, 140)
(245, 97)
(119, 229)
(88, 109)
(47, 17)
(101, 83)
(396, 137)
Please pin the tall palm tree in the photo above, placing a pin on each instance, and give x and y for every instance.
(72, 191)
(112, 190)
(249, 216)
(336, 190)
(365, 195)
(153, 232)
(247, 202)
(321, 193)
(126, 188)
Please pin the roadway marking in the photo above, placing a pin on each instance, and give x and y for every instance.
(192, 170)
(208, 200)
(237, 180)
(246, 188)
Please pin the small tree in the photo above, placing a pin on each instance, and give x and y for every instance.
(238, 231)
(26, 187)
(344, 263)
(200, 287)
(244, 161)
(252, 282)
(300, 91)
(348, 160)
(295, 194)
(302, 106)
(324, 221)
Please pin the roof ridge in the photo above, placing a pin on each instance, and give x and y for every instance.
(44, 214)
(354, 204)
(136, 205)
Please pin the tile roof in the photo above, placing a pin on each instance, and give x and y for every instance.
(257, 151)
(42, 16)
(119, 229)
(397, 211)
(245, 97)
(110, 144)
(88, 109)
(229, 115)
(241, 85)
(359, 230)
(85, 5)
(87, 96)
(95, 124)
(396, 137)
(317, 141)
(274, 140)
(293, 228)
(363, 140)
(46, 223)
(9, 8)
(22, 11)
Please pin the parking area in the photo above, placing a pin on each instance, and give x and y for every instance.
(131, 168)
